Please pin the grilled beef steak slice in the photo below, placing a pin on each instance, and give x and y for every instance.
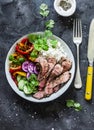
(57, 70)
(39, 94)
(63, 78)
(51, 63)
(65, 63)
(48, 91)
(44, 67)
(56, 88)
(42, 83)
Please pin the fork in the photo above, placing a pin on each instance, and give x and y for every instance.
(77, 39)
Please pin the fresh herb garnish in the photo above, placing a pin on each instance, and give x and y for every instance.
(54, 43)
(40, 40)
(34, 54)
(44, 10)
(50, 24)
(48, 33)
(32, 37)
(29, 85)
(71, 103)
(17, 61)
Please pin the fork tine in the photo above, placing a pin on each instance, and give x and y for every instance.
(74, 28)
(79, 33)
(77, 28)
(80, 28)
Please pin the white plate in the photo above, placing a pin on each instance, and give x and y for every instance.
(53, 96)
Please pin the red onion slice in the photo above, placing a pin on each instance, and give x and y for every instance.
(28, 75)
(25, 66)
(35, 70)
(31, 67)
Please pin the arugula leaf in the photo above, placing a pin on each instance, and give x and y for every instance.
(44, 10)
(50, 24)
(71, 103)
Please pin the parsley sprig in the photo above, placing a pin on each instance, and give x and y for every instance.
(40, 40)
(44, 10)
(50, 24)
(71, 103)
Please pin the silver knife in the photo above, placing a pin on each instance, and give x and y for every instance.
(90, 55)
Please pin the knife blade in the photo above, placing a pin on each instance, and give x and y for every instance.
(90, 56)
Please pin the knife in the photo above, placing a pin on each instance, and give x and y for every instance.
(90, 55)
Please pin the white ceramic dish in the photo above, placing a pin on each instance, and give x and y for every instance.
(61, 11)
(53, 96)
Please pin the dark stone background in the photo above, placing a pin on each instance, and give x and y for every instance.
(17, 18)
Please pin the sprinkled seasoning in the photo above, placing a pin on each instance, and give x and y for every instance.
(65, 4)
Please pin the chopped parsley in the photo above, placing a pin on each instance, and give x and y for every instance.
(50, 24)
(44, 10)
(71, 103)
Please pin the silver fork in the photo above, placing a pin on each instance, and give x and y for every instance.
(77, 39)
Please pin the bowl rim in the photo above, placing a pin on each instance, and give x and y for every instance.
(54, 96)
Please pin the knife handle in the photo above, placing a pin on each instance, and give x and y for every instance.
(88, 92)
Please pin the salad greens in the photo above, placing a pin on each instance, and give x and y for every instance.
(71, 103)
(34, 54)
(50, 24)
(40, 41)
(17, 61)
(29, 85)
(44, 10)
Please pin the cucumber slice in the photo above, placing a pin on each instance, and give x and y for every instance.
(27, 89)
(21, 84)
(19, 78)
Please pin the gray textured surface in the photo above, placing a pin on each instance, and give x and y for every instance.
(19, 17)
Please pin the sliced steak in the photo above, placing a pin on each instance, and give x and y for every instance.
(57, 70)
(51, 62)
(48, 91)
(65, 63)
(44, 67)
(42, 83)
(56, 88)
(63, 78)
(39, 94)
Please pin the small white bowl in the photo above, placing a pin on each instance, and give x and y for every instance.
(60, 10)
